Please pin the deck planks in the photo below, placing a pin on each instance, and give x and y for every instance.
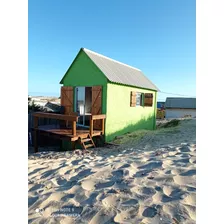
(66, 132)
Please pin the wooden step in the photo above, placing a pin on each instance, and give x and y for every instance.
(88, 146)
(86, 140)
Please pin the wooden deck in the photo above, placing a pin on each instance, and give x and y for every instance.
(65, 132)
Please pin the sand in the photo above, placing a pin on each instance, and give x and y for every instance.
(151, 179)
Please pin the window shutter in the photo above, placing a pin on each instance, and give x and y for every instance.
(133, 99)
(142, 99)
(67, 98)
(97, 105)
(148, 100)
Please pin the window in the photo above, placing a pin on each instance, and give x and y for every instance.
(138, 99)
(148, 100)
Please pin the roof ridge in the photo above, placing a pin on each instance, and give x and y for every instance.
(93, 52)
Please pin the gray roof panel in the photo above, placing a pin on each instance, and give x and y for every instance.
(180, 102)
(118, 72)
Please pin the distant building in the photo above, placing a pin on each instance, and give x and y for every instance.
(161, 105)
(179, 107)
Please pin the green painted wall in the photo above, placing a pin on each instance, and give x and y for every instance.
(83, 72)
(121, 118)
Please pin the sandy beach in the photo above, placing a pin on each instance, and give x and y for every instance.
(149, 178)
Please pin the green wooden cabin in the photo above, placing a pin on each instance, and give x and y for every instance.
(95, 84)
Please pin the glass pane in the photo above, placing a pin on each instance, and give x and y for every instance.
(138, 99)
(80, 93)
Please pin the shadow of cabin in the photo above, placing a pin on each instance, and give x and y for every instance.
(143, 124)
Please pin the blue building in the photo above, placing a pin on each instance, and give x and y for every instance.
(160, 105)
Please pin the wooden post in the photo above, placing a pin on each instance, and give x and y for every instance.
(91, 127)
(73, 145)
(74, 128)
(103, 126)
(35, 134)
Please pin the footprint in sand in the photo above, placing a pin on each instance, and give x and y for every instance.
(32, 200)
(110, 201)
(88, 213)
(76, 162)
(84, 173)
(182, 160)
(148, 191)
(173, 153)
(91, 199)
(49, 173)
(177, 211)
(130, 202)
(132, 171)
(176, 171)
(185, 149)
(193, 153)
(168, 162)
(67, 197)
(88, 185)
(192, 160)
(118, 173)
(160, 197)
(59, 181)
(184, 180)
(151, 165)
(191, 189)
(105, 184)
(167, 171)
(165, 155)
(36, 187)
(185, 155)
(190, 199)
(167, 190)
(141, 173)
(191, 211)
(189, 173)
(150, 212)
(123, 217)
(121, 165)
(37, 170)
(103, 216)
(161, 179)
(178, 194)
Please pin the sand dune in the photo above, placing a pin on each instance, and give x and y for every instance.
(152, 181)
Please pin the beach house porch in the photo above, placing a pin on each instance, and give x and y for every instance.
(67, 129)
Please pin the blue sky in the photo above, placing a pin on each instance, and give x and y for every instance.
(156, 36)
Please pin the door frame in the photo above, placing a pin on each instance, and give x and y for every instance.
(75, 105)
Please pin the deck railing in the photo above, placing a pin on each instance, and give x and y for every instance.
(63, 117)
(71, 118)
(101, 117)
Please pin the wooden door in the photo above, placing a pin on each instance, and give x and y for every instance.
(67, 99)
(97, 105)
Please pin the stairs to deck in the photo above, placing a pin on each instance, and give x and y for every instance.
(87, 142)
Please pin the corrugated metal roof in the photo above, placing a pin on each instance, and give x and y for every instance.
(180, 102)
(119, 72)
